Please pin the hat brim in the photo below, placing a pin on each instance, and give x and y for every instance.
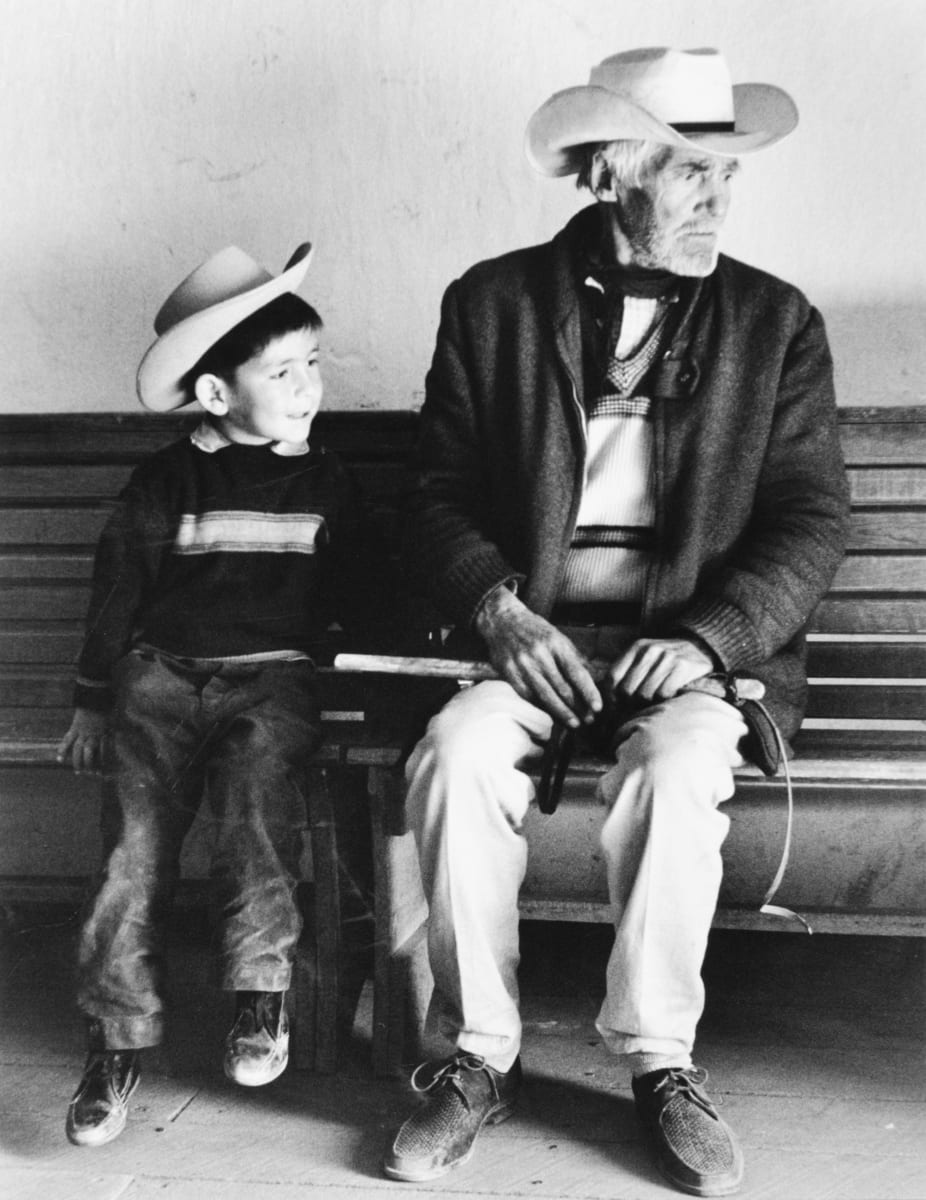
(579, 116)
(174, 353)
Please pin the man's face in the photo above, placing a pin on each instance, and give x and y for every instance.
(672, 222)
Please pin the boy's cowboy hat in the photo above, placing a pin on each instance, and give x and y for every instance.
(209, 303)
(677, 97)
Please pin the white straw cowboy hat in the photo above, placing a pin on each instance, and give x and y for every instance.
(209, 303)
(677, 97)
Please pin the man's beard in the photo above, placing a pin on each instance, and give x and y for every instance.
(656, 249)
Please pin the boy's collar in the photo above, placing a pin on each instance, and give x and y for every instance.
(209, 438)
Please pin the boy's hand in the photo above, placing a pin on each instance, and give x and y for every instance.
(83, 742)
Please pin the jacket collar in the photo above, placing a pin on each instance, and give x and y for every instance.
(678, 374)
(208, 438)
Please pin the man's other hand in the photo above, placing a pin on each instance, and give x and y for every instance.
(658, 668)
(541, 664)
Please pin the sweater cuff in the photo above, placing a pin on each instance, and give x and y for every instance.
(727, 631)
(94, 694)
(461, 590)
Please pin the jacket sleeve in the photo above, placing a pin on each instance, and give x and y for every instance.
(448, 554)
(127, 561)
(782, 566)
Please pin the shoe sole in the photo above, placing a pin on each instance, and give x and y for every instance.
(494, 1117)
(106, 1131)
(256, 1078)
(683, 1185)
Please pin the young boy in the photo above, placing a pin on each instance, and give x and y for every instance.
(211, 598)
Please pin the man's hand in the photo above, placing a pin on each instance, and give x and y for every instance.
(658, 668)
(83, 742)
(540, 663)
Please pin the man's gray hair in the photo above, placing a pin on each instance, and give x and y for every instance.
(626, 162)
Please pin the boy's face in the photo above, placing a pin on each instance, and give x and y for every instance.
(274, 396)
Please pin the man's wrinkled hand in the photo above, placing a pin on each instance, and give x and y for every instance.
(658, 668)
(83, 742)
(541, 664)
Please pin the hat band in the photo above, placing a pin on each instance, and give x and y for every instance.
(703, 126)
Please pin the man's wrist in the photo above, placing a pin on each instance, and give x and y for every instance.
(501, 599)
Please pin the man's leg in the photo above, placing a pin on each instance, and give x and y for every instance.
(151, 790)
(256, 780)
(662, 841)
(466, 802)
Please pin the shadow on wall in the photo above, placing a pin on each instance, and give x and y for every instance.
(879, 352)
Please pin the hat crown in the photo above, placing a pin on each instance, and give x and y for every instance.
(229, 273)
(676, 86)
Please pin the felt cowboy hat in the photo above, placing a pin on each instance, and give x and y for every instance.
(209, 303)
(677, 97)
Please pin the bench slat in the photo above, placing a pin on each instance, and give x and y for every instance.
(888, 530)
(869, 659)
(881, 573)
(888, 485)
(870, 614)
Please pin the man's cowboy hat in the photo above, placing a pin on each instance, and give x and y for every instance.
(209, 303)
(677, 97)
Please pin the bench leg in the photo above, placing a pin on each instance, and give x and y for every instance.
(402, 977)
(335, 955)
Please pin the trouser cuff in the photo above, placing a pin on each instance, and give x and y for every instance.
(124, 1033)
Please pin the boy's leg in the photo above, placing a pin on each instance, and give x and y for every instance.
(256, 784)
(151, 791)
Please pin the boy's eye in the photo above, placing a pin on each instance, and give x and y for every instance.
(281, 374)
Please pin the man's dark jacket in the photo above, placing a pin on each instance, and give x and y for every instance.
(751, 495)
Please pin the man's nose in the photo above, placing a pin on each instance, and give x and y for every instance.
(715, 197)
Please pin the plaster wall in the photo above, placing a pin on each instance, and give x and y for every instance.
(138, 136)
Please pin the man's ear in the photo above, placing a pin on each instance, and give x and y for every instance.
(212, 393)
(601, 179)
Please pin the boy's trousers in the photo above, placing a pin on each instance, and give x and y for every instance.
(661, 834)
(183, 730)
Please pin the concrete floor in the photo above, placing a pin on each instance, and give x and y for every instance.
(817, 1047)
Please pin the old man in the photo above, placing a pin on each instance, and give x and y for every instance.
(628, 456)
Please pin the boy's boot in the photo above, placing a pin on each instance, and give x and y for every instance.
(98, 1111)
(257, 1046)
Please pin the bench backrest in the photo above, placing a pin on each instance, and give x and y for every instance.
(59, 475)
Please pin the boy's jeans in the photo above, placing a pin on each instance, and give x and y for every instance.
(242, 737)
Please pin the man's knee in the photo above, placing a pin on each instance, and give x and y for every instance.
(684, 749)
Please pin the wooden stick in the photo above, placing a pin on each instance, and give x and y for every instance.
(476, 672)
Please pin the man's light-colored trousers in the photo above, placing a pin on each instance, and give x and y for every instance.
(468, 793)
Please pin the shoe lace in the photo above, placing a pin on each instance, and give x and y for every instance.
(449, 1075)
(688, 1083)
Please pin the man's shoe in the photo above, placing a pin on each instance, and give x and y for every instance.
(695, 1150)
(463, 1093)
(98, 1111)
(257, 1046)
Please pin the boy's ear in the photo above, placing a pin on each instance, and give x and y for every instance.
(212, 393)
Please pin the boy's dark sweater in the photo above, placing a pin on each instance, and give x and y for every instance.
(221, 555)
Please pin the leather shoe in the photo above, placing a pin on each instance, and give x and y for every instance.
(98, 1111)
(695, 1150)
(462, 1093)
(257, 1045)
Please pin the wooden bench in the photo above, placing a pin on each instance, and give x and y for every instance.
(860, 823)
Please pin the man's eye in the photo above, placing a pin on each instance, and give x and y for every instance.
(280, 374)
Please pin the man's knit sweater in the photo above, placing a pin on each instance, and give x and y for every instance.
(751, 501)
(225, 553)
